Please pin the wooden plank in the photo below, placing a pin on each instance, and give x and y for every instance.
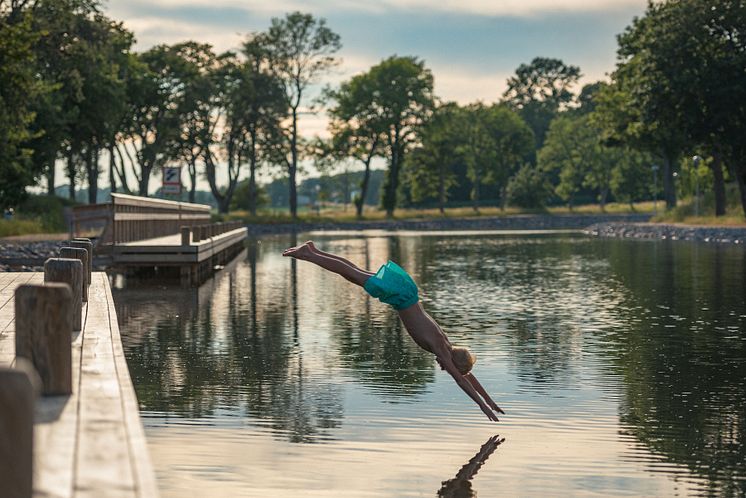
(144, 476)
(91, 443)
(103, 464)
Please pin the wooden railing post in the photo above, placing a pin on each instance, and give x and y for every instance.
(44, 325)
(88, 246)
(186, 235)
(16, 433)
(70, 272)
(82, 255)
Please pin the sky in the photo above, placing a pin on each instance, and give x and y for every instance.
(471, 46)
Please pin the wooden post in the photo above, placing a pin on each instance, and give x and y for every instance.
(70, 272)
(88, 246)
(44, 325)
(197, 233)
(186, 234)
(16, 433)
(82, 255)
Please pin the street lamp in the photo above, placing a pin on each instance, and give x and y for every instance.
(697, 160)
(655, 189)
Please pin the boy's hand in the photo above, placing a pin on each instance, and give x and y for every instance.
(490, 414)
(494, 406)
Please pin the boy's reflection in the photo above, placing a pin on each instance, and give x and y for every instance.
(460, 486)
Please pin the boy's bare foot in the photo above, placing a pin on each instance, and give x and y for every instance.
(302, 251)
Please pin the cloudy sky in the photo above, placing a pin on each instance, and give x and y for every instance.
(472, 46)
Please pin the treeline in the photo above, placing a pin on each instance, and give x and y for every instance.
(72, 89)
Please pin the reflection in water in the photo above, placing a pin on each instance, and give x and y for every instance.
(460, 486)
(621, 364)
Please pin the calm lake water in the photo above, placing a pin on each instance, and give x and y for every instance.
(621, 366)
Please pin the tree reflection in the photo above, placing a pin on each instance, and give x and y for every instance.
(225, 351)
(683, 358)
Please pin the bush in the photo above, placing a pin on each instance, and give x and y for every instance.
(528, 189)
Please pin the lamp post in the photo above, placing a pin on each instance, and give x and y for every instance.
(655, 189)
(697, 160)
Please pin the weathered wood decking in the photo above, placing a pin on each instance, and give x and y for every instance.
(194, 259)
(91, 443)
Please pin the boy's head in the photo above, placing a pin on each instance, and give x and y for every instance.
(463, 359)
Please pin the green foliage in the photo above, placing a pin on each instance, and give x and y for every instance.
(528, 188)
(299, 48)
(574, 153)
(539, 91)
(18, 90)
(404, 90)
(429, 168)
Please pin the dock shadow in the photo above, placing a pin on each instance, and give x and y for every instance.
(460, 485)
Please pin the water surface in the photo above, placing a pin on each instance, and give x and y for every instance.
(621, 366)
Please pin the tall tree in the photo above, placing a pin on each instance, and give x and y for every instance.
(403, 87)
(300, 49)
(539, 91)
(356, 127)
(574, 153)
(429, 167)
(18, 89)
(262, 103)
(153, 95)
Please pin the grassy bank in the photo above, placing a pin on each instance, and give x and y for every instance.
(337, 213)
(685, 213)
(37, 214)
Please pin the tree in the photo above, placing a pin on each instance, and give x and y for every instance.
(403, 88)
(539, 91)
(262, 100)
(103, 54)
(429, 168)
(573, 152)
(356, 127)
(18, 90)
(299, 48)
(153, 96)
(528, 188)
(630, 178)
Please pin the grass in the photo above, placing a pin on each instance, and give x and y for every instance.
(684, 214)
(37, 214)
(334, 213)
(20, 227)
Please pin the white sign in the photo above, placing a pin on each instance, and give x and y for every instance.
(171, 189)
(171, 180)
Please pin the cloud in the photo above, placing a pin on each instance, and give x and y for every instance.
(517, 8)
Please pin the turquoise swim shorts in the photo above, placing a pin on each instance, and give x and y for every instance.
(392, 285)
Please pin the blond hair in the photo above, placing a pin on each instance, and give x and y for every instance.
(463, 359)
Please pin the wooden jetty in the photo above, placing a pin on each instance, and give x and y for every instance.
(140, 233)
(91, 442)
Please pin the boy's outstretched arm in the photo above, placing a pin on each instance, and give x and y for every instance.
(475, 383)
(466, 386)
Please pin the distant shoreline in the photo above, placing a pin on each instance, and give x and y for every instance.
(513, 222)
(660, 231)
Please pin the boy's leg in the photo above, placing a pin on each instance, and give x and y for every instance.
(338, 266)
(315, 249)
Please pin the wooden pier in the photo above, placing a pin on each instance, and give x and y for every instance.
(141, 233)
(89, 443)
(194, 252)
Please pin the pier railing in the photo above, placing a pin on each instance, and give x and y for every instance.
(129, 218)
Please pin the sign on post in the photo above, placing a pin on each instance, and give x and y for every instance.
(171, 180)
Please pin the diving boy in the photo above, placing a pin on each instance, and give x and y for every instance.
(392, 285)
